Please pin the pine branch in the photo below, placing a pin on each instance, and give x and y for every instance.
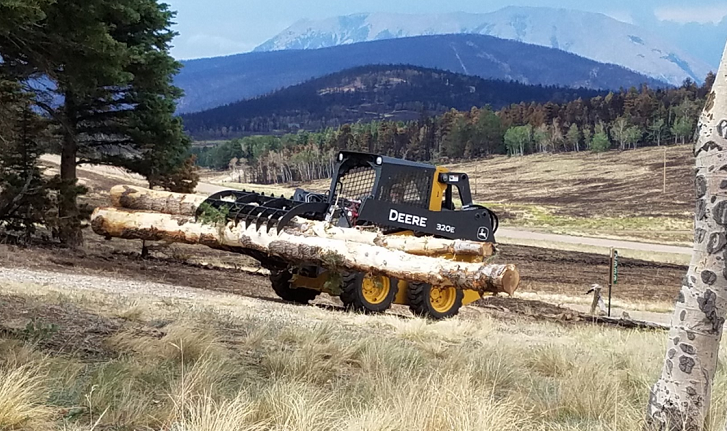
(12, 206)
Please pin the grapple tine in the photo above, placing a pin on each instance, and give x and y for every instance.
(236, 217)
(267, 215)
(260, 220)
(280, 224)
(316, 211)
(248, 215)
(274, 219)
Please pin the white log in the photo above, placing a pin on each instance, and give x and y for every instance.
(119, 223)
(680, 399)
(138, 198)
(424, 246)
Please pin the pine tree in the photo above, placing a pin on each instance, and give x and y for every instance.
(111, 66)
(456, 141)
(183, 179)
(24, 197)
(488, 134)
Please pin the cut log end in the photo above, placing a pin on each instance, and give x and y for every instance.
(510, 280)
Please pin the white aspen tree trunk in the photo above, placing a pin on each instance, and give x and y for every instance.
(680, 399)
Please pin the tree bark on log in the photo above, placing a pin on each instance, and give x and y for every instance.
(330, 253)
(423, 246)
(138, 198)
(680, 399)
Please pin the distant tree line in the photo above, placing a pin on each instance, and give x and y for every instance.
(617, 120)
(90, 80)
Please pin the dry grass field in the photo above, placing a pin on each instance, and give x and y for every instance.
(181, 359)
(614, 194)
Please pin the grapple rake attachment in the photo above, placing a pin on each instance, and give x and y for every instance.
(269, 211)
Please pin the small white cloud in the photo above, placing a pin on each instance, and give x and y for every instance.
(683, 14)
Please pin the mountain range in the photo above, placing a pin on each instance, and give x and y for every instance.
(394, 93)
(590, 35)
(217, 81)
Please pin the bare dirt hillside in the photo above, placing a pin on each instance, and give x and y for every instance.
(616, 194)
(612, 184)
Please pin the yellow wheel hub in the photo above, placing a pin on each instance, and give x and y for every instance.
(442, 298)
(375, 289)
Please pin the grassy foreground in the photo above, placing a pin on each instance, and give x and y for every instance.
(222, 363)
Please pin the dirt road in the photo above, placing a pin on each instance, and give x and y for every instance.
(528, 306)
(505, 234)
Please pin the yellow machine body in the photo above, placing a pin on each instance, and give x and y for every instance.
(375, 286)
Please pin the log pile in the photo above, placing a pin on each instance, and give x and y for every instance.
(149, 215)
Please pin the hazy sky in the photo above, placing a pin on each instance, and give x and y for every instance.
(218, 27)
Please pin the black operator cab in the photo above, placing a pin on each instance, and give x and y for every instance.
(397, 195)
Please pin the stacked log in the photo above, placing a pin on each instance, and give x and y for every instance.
(139, 213)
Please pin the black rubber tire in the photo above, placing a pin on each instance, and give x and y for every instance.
(420, 304)
(280, 280)
(353, 298)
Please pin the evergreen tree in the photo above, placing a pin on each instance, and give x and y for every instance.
(111, 67)
(24, 197)
(344, 138)
(456, 141)
(488, 134)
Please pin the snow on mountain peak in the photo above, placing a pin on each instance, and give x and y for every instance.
(590, 35)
